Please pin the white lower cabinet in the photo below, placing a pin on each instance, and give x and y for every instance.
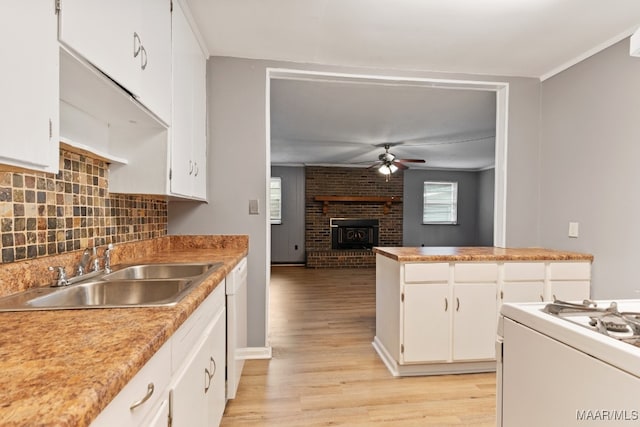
(569, 281)
(183, 384)
(522, 291)
(197, 393)
(136, 401)
(438, 328)
(427, 335)
(159, 416)
(569, 290)
(522, 282)
(474, 321)
(441, 317)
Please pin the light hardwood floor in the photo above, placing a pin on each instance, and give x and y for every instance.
(324, 370)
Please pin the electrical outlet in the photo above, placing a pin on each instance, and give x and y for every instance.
(573, 229)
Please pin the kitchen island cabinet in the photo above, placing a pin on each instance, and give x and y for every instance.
(437, 308)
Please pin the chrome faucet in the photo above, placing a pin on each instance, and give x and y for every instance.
(107, 258)
(62, 279)
(95, 265)
(84, 262)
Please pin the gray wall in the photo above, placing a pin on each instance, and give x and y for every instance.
(238, 164)
(287, 239)
(415, 233)
(590, 148)
(486, 199)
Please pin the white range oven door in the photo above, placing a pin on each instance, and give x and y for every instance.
(544, 382)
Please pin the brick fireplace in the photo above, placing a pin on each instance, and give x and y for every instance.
(350, 194)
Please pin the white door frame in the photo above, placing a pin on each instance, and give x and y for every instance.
(502, 108)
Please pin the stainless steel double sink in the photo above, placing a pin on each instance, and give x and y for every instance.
(142, 285)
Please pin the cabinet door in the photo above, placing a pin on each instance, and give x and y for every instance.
(426, 323)
(159, 417)
(155, 81)
(216, 393)
(522, 292)
(188, 402)
(183, 45)
(198, 391)
(578, 290)
(199, 150)
(107, 34)
(188, 130)
(29, 105)
(474, 321)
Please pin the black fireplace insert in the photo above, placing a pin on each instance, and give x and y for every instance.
(354, 233)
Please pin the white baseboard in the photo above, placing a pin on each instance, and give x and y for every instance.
(254, 353)
(417, 369)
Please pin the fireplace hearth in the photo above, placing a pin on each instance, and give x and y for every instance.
(354, 233)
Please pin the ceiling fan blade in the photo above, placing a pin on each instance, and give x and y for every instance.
(410, 160)
(400, 165)
(374, 165)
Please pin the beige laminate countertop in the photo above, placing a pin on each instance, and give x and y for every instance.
(477, 253)
(63, 367)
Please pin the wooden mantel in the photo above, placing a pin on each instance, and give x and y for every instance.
(386, 200)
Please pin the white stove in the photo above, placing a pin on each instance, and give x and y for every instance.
(564, 364)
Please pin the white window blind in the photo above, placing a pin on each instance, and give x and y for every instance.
(275, 200)
(440, 203)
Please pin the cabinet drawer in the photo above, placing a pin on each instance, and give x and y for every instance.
(570, 271)
(157, 372)
(186, 337)
(523, 271)
(475, 272)
(426, 272)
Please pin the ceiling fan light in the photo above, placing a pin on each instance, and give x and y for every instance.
(384, 170)
(393, 168)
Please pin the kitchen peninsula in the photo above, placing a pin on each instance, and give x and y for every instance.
(437, 307)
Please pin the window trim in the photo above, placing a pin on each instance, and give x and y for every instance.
(278, 220)
(453, 203)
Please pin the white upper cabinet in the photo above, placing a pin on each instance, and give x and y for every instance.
(107, 34)
(29, 107)
(188, 131)
(128, 40)
(155, 85)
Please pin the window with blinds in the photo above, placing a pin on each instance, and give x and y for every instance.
(275, 200)
(440, 203)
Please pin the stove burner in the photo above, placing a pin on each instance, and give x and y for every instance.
(610, 323)
(607, 321)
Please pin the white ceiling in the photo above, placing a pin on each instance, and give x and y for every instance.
(320, 122)
(324, 122)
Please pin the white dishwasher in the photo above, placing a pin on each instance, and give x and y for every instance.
(236, 289)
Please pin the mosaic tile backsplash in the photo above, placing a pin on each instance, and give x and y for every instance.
(45, 214)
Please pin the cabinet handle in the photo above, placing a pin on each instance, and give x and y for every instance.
(209, 375)
(143, 57)
(554, 297)
(457, 304)
(541, 298)
(137, 44)
(146, 397)
(446, 304)
(196, 169)
(190, 167)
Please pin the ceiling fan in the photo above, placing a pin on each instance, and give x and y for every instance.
(388, 163)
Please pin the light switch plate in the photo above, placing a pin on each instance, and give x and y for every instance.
(254, 207)
(573, 229)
